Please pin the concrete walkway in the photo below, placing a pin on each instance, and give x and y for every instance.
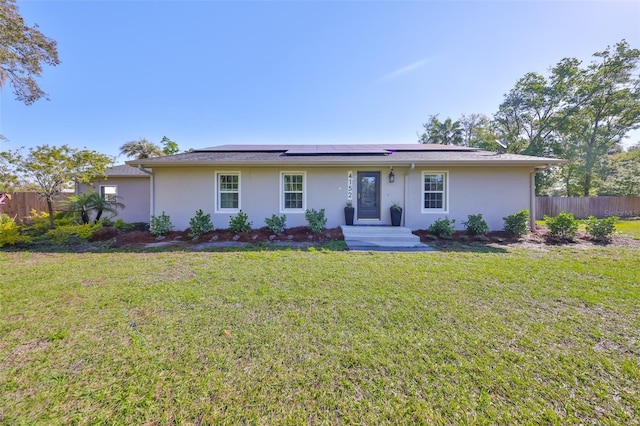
(382, 238)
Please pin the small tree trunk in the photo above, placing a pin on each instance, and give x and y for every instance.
(587, 184)
(50, 208)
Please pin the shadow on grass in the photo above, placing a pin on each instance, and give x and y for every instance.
(475, 247)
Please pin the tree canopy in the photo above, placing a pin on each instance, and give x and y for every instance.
(50, 169)
(445, 132)
(23, 52)
(622, 173)
(578, 112)
(140, 149)
(169, 147)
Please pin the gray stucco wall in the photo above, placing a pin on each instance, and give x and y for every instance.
(493, 191)
(134, 193)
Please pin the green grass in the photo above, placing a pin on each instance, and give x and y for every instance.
(625, 227)
(319, 337)
(629, 228)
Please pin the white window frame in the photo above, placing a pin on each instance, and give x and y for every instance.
(102, 194)
(219, 208)
(445, 191)
(304, 192)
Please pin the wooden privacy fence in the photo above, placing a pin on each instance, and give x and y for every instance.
(583, 207)
(20, 204)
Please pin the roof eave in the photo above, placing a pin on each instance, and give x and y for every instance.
(333, 163)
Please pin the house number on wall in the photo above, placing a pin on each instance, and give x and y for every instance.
(349, 186)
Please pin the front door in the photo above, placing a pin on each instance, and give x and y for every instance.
(369, 195)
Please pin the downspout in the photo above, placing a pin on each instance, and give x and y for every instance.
(152, 192)
(532, 194)
(406, 193)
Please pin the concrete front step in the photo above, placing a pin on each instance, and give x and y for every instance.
(371, 229)
(382, 238)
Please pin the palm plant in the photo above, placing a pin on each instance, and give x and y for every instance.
(78, 207)
(448, 132)
(82, 205)
(100, 204)
(141, 149)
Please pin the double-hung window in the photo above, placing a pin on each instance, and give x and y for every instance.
(435, 192)
(228, 197)
(109, 192)
(293, 191)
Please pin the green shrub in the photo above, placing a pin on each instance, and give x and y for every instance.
(160, 225)
(62, 234)
(516, 225)
(562, 227)
(601, 229)
(200, 224)
(38, 223)
(240, 223)
(476, 225)
(10, 232)
(66, 221)
(315, 220)
(443, 227)
(136, 226)
(107, 222)
(133, 226)
(276, 224)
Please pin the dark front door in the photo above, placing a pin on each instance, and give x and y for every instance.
(368, 195)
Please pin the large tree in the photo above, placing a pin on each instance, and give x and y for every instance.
(532, 112)
(23, 52)
(50, 169)
(447, 132)
(607, 101)
(478, 132)
(578, 113)
(141, 149)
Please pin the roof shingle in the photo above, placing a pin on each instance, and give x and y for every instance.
(327, 155)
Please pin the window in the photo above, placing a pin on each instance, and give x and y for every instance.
(109, 192)
(434, 198)
(228, 191)
(293, 185)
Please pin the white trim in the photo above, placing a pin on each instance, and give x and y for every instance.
(219, 209)
(281, 192)
(445, 192)
(108, 186)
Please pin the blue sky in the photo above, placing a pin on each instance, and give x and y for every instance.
(207, 73)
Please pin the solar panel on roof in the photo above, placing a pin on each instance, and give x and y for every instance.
(351, 149)
(336, 150)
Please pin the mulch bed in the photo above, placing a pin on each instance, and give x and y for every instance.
(263, 235)
(537, 239)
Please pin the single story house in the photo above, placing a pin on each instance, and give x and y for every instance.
(127, 185)
(428, 181)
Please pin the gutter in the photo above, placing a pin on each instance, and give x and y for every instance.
(532, 194)
(152, 192)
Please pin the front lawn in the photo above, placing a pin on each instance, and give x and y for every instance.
(502, 336)
(629, 227)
